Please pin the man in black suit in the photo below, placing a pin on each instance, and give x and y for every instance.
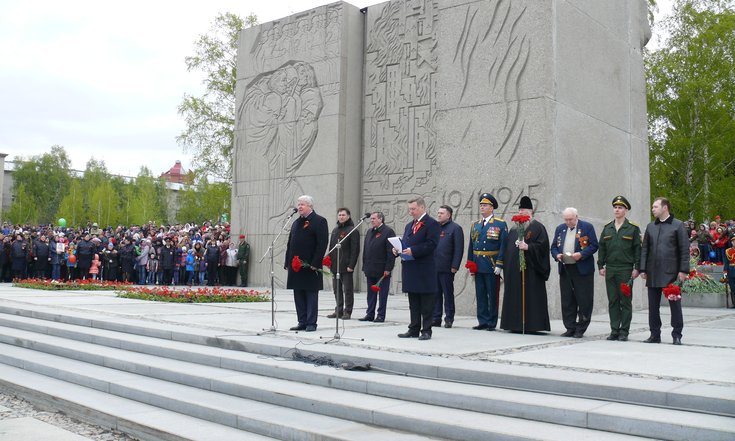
(307, 243)
(664, 259)
(420, 239)
(377, 261)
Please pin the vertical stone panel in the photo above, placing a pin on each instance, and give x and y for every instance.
(294, 77)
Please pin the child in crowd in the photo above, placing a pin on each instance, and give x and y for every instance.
(94, 268)
(152, 269)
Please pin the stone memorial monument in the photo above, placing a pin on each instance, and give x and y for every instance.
(446, 99)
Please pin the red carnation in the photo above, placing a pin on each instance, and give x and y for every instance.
(625, 289)
(375, 288)
(520, 218)
(327, 261)
(672, 292)
(296, 264)
(472, 266)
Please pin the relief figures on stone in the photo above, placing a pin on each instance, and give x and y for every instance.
(279, 116)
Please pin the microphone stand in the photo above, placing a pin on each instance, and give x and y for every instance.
(338, 280)
(273, 277)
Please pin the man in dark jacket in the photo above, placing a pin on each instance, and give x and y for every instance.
(448, 258)
(19, 254)
(664, 258)
(377, 263)
(85, 252)
(167, 255)
(307, 243)
(212, 255)
(420, 238)
(41, 257)
(349, 251)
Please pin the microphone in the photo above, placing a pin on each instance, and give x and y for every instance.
(295, 210)
(366, 216)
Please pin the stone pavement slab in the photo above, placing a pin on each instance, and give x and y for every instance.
(31, 429)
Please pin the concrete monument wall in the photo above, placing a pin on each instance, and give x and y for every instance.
(543, 98)
(298, 124)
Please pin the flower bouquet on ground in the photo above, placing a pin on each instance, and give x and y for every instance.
(297, 264)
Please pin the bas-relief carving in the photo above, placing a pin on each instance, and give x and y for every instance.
(402, 82)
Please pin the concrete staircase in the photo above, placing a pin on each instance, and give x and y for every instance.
(158, 381)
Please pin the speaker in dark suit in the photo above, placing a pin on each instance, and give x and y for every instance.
(308, 241)
(420, 239)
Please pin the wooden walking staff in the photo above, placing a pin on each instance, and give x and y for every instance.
(520, 221)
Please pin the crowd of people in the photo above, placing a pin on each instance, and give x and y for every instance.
(146, 254)
(710, 239)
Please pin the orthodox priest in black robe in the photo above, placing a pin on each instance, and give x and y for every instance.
(538, 269)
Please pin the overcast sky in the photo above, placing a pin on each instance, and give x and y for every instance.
(104, 79)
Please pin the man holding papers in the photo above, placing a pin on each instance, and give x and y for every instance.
(420, 239)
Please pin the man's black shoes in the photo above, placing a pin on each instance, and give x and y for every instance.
(652, 339)
(298, 328)
(569, 333)
(408, 334)
(480, 327)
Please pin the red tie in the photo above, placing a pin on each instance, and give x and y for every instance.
(415, 226)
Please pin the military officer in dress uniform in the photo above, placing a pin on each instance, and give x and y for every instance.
(618, 260)
(486, 249)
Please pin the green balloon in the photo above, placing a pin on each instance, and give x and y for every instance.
(62, 222)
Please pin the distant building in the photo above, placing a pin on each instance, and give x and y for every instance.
(177, 175)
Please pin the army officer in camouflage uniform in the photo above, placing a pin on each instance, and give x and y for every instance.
(618, 259)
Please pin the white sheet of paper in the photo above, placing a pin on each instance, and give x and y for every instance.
(396, 242)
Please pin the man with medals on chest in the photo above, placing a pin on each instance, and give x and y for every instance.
(486, 249)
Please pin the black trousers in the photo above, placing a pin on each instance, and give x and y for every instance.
(654, 314)
(421, 305)
(307, 306)
(344, 293)
(577, 295)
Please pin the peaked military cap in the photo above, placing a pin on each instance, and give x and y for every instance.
(487, 198)
(526, 203)
(620, 200)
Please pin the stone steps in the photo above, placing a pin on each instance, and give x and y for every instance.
(195, 380)
(668, 394)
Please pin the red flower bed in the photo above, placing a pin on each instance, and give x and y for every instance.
(193, 295)
(70, 285)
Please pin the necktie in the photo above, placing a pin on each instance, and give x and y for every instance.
(415, 226)
(484, 221)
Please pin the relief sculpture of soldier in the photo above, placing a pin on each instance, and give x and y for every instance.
(280, 114)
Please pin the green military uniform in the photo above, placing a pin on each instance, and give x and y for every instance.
(243, 256)
(619, 254)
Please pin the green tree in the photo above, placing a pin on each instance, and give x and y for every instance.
(204, 200)
(95, 175)
(691, 109)
(45, 179)
(72, 206)
(148, 200)
(210, 118)
(103, 205)
(24, 209)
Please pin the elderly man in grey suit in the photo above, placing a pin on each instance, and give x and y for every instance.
(664, 258)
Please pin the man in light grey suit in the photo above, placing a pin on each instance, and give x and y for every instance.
(664, 258)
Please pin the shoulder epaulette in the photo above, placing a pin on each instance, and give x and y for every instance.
(498, 219)
(634, 224)
(610, 223)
